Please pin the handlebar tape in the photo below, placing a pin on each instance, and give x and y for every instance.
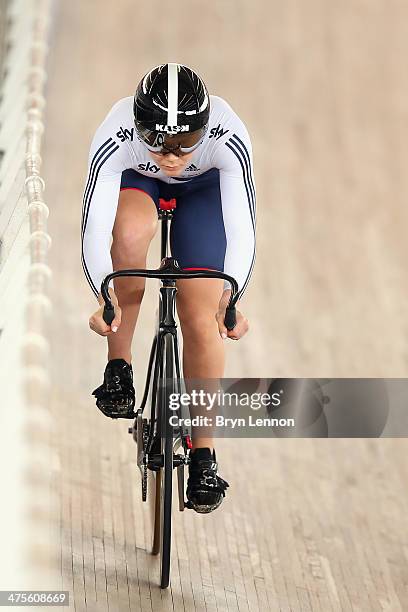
(230, 319)
(108, 314)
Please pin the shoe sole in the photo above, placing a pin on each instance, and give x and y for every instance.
(203, 509)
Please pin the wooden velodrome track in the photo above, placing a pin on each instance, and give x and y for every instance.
(308, 524)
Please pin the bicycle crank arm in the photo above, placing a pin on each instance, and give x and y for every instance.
(180, 482)
(154, 462)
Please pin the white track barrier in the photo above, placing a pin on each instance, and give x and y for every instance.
(26, 558)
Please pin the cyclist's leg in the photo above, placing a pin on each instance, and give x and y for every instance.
(135, 226)
(203, 348)
(198, 241)
(197, 303)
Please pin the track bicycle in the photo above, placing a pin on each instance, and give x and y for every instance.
(156, 438)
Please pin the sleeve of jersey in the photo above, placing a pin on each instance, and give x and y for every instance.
(238, 198)
(107, 160)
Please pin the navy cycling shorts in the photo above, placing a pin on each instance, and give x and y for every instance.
(197, 236)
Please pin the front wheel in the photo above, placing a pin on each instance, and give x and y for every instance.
(163, 488)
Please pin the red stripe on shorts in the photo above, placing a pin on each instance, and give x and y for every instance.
(210, 269)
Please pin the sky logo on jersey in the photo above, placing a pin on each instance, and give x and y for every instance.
(125, 134)
(172, 129)
(149, 167)
(217, 132)
(192, 168)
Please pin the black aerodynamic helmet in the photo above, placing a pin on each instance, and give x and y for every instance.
(171, 100)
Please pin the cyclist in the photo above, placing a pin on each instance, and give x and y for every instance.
(171, 140)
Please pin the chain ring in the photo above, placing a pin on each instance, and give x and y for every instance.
(145, 433)
(144, 484)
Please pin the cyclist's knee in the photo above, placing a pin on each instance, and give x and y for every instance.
(130, 294)
(132, 242)
(197, 327)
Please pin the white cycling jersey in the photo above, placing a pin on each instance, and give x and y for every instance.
(115, 148)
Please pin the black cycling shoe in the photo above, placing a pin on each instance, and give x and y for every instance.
(205, 489)
(116, 396)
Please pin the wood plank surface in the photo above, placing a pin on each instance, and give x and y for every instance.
(307, 525)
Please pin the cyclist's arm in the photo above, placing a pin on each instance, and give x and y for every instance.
(238, 205)
(107, 159)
